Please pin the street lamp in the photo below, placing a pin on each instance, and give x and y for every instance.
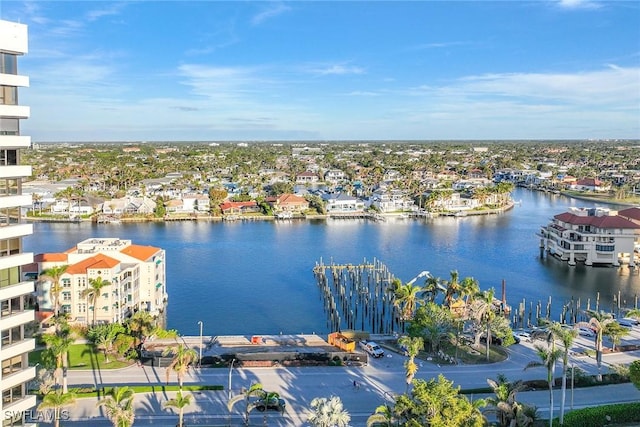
(573, 371)
(230, 370)
(200, 348)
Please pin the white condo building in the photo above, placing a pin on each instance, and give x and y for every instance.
(592, 236)
(135, 273)
(14, 290)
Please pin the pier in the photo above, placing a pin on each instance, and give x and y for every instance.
(357, 296)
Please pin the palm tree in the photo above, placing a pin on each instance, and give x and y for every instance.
(140, 325)
(566, 337)
(384, 415)
(56, 401)
(452, 288)
(504, 401)
(407, 297)
(483, 313)
(328, 413)
(548, 358)
(255, 390)
(433, 286)
(633, 313)
(182, 358)
(118, 404)
(93, 291)
(58, 344)
(615, 332)
(413, 345)
(598, 321)
(179, 402)
(53, 274)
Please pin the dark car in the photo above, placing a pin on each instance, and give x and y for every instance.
(270, 403)
(494, 340)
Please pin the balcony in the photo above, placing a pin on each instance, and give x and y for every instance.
(18, 378)
(24, 346)
(17, 230)
(12, 291)
(16, 201)
(14, 80)
(15, 171)
(17, 319)
(20, 406)
(16, 260)
(15, 141)
(15, 111)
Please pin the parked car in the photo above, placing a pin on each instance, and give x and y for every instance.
(372, 348)
(634, 322)
(494, 340)
(627, 323)
(586, 332)
(523, 335)
(270, 402)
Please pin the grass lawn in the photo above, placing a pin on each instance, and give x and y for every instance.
(83, 356)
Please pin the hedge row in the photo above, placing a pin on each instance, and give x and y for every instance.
(93, 392)
(599, 416)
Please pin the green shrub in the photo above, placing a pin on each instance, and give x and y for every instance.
(634, 373)
(601, 415)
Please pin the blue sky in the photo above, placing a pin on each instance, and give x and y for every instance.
(330, 70)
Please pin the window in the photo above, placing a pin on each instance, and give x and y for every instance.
(9, 276)
(9, 247)
(605, 248)
(12, 394)
(8, 95)
(8, 63)
(11, 306)
(9, 187)
(8, 157)
(9, 216)
(9, 126)
(12, 336)
(11, 365)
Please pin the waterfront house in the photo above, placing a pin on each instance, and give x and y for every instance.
(592, 236)
(390, 200)
(288, 203)
(239, 208)
(128, 205)
(342, 203)
(136, 275)
(195, 203)
(590, 184)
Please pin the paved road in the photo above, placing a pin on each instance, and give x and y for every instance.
(380, 380)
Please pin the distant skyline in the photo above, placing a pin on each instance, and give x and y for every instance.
(330, 70)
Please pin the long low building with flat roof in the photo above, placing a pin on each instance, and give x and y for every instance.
(135, 273)
(593, 236)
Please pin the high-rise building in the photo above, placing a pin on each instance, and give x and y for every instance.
(15, 315)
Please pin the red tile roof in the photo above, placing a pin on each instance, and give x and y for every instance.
(143, 253)
(229, 205)
(95, 262)
(53, 257)
(605, 221)
(591, 182)
(631, 213)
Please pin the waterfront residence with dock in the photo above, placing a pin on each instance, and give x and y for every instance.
(593, 236)
(135, 275)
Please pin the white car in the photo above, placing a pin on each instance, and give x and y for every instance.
(523, 335)
(586, 332)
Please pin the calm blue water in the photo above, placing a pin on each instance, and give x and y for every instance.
(256, 277)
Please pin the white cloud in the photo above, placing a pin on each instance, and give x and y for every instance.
(579, 4)
(273, 10)
(338, 69)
